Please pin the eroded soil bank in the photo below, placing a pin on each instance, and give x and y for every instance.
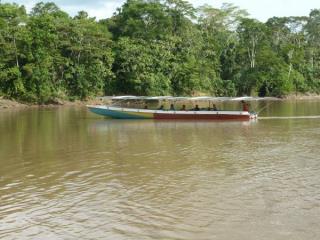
(12, 104)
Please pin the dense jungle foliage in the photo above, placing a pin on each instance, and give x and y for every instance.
(155, 47)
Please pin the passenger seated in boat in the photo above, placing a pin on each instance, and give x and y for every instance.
(214, 108)
(161, 107)
(172, 107)
(196, 108)
(245, 106)
(183, 108)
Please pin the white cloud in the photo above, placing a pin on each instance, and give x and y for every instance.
(107, 10)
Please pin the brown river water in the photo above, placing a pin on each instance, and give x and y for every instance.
(68, 174)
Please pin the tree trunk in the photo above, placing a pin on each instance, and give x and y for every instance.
(16, 51)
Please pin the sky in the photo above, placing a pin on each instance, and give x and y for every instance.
(259, 9)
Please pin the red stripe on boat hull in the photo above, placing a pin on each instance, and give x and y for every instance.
(201, 117)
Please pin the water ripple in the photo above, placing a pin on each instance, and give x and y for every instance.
(162, 180)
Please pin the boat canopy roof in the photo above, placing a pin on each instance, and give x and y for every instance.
(204, 98)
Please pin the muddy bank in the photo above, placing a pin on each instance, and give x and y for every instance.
(12, 104)
(9, 104)
(310, 96)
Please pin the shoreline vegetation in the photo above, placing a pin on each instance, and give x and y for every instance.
(154, 48)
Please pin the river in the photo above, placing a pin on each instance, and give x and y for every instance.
(66, 173)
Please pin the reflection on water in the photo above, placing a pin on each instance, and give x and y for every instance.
(287, 118)
(68, 174)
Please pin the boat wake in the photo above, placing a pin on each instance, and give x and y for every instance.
(293, 117)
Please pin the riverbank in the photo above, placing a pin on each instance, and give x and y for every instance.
(12, 104)
(310, 96)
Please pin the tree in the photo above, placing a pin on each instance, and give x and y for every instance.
(251, 33)
(312, 29)
(141, 68)
(12, 34)
(48, 8)
(140, 19)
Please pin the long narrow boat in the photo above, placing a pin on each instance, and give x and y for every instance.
(119, 112)
(132, 113)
